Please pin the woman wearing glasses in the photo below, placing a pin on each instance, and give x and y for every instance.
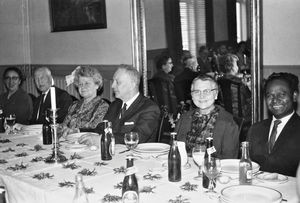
(208, 120)
(15, 100)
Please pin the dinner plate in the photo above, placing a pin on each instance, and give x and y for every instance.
(32, 127)
(250, 194)
(152, 148)
(232, 166)
(272, 177)
(73, 138)
(76, 147)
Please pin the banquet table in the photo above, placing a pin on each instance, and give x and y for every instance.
(27, 178)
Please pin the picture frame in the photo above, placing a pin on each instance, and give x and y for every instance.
(70, 15)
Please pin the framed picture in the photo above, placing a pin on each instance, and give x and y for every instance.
(67, 15)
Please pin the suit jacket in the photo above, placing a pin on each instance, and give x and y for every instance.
(63, 101)
(225, 133)
(142, 116)
(285, 155)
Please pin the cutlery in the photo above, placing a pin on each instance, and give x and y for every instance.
(124, 151)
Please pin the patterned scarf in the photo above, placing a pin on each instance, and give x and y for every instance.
(201, 128)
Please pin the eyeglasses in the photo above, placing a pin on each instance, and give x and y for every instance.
(205, 92)
(14, 78)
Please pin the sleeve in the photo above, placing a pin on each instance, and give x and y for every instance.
(98, 115)
(230, 147)
(65, 101)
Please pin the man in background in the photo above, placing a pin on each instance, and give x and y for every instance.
(43, 81)
(274, 142)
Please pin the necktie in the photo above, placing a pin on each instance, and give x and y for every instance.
(40, 113)
(273, 135)
(123, 110)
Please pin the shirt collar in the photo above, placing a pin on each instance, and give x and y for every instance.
(130, 101)
(285, 119)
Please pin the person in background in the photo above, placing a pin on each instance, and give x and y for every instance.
(15, 100)
(90, 110)
(43, 81)
(184, 80)
(208, 120)
(163, 84)
(233, 77)
(203, 60)
(131, 111)
(274, 142)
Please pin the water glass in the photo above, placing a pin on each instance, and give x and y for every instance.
(198, 153)
(10, 121)
(211, 168)
(131, 140)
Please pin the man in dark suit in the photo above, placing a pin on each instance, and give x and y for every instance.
(43, 80)
(131, 111)
(274, 142)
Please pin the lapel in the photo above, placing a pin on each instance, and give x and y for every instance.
(132, 109)
(285, 133)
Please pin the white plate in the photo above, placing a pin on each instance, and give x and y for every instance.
(250, 194)
(272, 177)
(232, 166)
(32, 127)
(152, 148)
(73, 138)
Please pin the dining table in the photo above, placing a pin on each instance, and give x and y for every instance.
(26, 176)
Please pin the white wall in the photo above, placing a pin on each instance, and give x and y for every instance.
(99, 46)
(281, 32)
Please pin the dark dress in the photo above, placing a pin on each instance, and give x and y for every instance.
(19, 104)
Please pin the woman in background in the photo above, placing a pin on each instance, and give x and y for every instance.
(88, 112)
(15, 100)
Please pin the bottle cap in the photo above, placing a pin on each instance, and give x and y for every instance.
(245, 144)
(78, 178)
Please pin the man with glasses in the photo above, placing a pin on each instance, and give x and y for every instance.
(208, 120)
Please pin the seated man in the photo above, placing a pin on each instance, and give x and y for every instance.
(274, 142)
(208, 120)
(43, 80)
(131, 111)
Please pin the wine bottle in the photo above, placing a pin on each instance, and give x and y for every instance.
(47, 133)
(210, 152)
(174, 161)
(245, 165)
(105, 143)
(130, 188)
(112, 137)
(80, 193)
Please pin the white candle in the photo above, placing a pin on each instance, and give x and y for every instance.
(53, 98)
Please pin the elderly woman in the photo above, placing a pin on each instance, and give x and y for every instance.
(15, 100)
(208, 120)
(88, 112)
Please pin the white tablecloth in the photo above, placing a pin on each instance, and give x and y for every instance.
(22, 187)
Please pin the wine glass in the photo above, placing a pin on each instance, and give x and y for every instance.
(211, 168)
(131, 140)
(10, 121)
(198, 153)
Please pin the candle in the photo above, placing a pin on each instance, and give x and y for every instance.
(53, 98)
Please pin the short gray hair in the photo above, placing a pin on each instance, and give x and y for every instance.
(132, 73)
(87, 71)
(204, 77)
(45, 70)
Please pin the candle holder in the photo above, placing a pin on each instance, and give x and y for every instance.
(57, 155)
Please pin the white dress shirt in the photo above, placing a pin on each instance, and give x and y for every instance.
(283, 120)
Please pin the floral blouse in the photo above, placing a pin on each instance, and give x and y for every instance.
(86, 115)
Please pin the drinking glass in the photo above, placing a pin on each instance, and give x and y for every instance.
(211, 168)
(131, 140)
(198, 153)
(10, 121)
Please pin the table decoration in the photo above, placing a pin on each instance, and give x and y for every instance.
(75, 156)
(21, 154)
(8, 150)
(4, 141)
(37, 159)
(42, 175)
(89, 190)
(149, 176)
(119, 186)
(71, 166)
(17, 167)
(111, 198)
(21, 145)
(100, 163)
(122, 169)
(66, 184)
(179, 199)
(88, 172)
(3, 161)
(189, 187)
(37, 148)
(147, 189)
